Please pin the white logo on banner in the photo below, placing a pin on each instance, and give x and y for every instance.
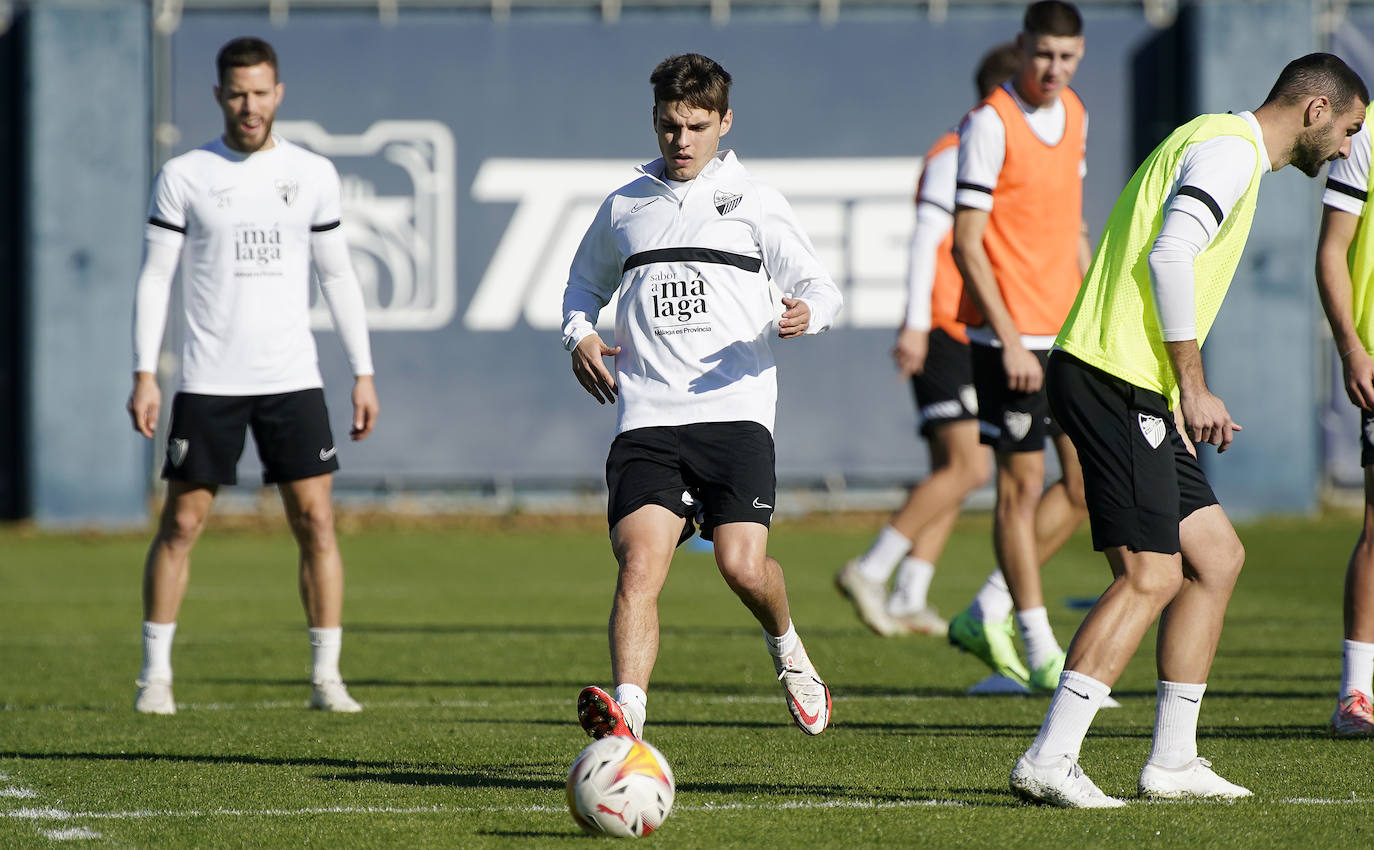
(399, 191)
(1153, 429)
(857, 212)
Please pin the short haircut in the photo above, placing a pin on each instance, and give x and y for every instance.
(1319, 74)
(999, 65)
(244, 52)
(1052, 17)
(692, 79)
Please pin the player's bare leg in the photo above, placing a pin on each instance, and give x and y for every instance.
(1354, 714)
(1063, 506)
(742, 555)
(1020, 482)
(1191, 624)
(310, 514)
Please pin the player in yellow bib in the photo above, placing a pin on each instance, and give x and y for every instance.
(1126, 372)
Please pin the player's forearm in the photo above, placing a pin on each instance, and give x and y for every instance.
(1186, 358)
(981, 286)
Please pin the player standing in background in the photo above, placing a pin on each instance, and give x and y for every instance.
(1022, 247)
(931, 351)
(1127, 367)
(691, 245)
(1345, 280)
(250, 212)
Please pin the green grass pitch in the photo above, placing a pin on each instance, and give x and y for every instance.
(468, 648)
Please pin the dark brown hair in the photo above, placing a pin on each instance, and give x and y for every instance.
(244, 52)
(692, 79)
(1052, 17)
(999, 65)
(1319, 74)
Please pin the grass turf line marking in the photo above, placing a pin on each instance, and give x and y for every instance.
(73, 834)
(18, 792)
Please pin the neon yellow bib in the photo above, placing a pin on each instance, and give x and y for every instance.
(1361, 261)
(1114, 323)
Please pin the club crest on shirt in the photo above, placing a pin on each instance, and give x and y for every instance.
(287, 190)
(177, 449)
(1153, 429)
(1017, 424)
(726, 201)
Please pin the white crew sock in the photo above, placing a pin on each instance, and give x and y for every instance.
(635, 703)
(324, 654)
(1072, 709)
(913, 582)
(1357, 668)
(1038, 636)
(876, 565)
(993, 602)
(157, 651)
(784, 644)
(1176, 709)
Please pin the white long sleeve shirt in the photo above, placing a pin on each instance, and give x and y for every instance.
(696, 308)
(246, 229)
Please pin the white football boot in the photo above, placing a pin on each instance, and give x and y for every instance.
(807, 696)
(331, 695)
(154, 697)
(1194, 780)
(869, 598)
(1060, 782)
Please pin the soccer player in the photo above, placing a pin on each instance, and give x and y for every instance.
(251, 213)
(1125, 375)
(690, 246)
(1021, 246)
(1344, 278)
(931, 351)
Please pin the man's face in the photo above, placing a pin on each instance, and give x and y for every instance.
(1324, 142)
(688, 137)
(249, 97)
(1050, 63)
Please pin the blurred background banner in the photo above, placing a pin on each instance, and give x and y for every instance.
(475, 141)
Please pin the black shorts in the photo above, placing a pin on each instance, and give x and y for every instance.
(1009, 421)
(944, 390)
(1139, 478)
(711, 472)
(1366, 444)
(291, 431)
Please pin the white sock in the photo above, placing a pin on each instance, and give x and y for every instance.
(157, 651)
(1072, 709)
(1038, 636)
(1176, 710)
(993, 602)
(635, 703)
(324, 654)
(784, 644)
(881, 559)
(913, 582)
(1357, 667)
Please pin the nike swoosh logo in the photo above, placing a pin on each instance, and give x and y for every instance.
(326, 454)
(1075, 693)
(1189, 700)
(808, 719)
(761, 505)
(641, 205)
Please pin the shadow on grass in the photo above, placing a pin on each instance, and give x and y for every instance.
(597, 629)
(200, 758)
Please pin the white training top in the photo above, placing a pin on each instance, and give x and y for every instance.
(1347, 181)
(246, 227)
(983, 145)
(934, 219)
(696, 308)
(1214, 173)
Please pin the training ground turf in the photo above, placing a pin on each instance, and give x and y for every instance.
(468, 649)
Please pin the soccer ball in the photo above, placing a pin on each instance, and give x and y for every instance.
(620, 786)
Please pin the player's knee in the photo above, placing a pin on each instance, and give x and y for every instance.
(973, 469)
(1158, 583)
(179, 528)
(742, 571)
(313, 526)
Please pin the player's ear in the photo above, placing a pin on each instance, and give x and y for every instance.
(281, 92)
(1317, 108)
(726, 120)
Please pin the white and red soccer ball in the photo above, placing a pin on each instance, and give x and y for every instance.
(620, 786)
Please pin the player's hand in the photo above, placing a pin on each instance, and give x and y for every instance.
(365, 407)
(795, 319)
(145, 400)
(1024, 374)
(590, 369)
(1207, 420)
(910, 351)
(1358, 369)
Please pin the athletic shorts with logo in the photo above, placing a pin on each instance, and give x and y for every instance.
(291, 431)
(944, 390)
(1139, 478)
(1008, 420)
(708, 472)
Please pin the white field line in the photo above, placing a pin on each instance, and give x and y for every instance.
(75, 833)
(18, 792)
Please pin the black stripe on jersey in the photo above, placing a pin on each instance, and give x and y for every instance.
(157, 222)
(1337, 186)
(321, 228)
(940, 207)
(1207, 200)
(687, 255)
(972, 187)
